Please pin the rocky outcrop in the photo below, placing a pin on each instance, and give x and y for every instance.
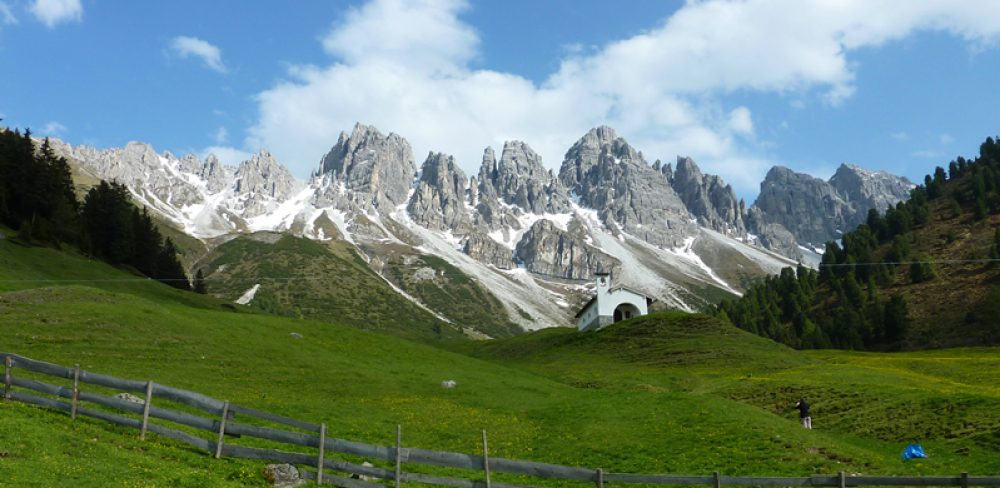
(484, 249)
(262, 184)
(157, 181)
(367, 169)
(439, 200)
(810, 208)
(609, 175)
(772, 236)
(520, 179)
(814, 211)
(707, 197)
(216, 175)
(869, 189)
(548, 250)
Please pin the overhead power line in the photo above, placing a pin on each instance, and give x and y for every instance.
(897, 263)
(315, 277)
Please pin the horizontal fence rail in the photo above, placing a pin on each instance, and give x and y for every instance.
(223, 422)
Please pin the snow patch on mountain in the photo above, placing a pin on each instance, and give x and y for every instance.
(282, 217)
(248, 295)
(518, 292)
(686, 252)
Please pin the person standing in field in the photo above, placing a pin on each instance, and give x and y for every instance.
(804, 413)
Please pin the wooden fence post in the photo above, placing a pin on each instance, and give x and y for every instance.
(716, 480)
(322, 447)
(399, 458)
(600, 478)
(222, 429)
(76, 391)
(965, 480)
(7, 365)
(486, 460)
(145, 410)
(842, 480)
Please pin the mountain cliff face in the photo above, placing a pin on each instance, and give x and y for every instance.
(814, 211)
(810, 208)
(368, 170)
(869, 189)
(261, 184)
(440, 200)
(548, 250)
(519, 179)
(708, 198)
(532, 239)
(608, 174)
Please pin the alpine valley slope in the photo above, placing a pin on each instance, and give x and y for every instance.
(528, 236)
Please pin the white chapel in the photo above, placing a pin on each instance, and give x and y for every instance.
(610, 305)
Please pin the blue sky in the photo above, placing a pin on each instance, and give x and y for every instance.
(738, 85)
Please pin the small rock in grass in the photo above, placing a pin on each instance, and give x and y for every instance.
(128, 397)
(448, 384)
(282, 475)
(295, 335)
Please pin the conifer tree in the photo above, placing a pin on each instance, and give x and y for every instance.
(169, 269)
(107, 223)
(922, 270)
(200, 287)
(148, 243)
(896, 319)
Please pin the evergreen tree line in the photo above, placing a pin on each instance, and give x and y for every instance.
(843, 304)
(119, 233)
(38, 200)
(36, 190)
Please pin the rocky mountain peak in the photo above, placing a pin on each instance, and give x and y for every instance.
(687, 170)
(601, 135)
(808, 207)
(815, 211)
(216, 175)
(141, 153)
(707, 197)
(439, 199)
(870, 189)
(519, 178)
(376, 170)
(607, 173)
(262, 183)
(600, 146)
(262, 174)
(189, 163)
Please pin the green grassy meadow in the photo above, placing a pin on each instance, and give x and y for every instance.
(667, 393)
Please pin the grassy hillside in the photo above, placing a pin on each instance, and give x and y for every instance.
(324, 281)
(958, 244)
(924, 274)
(947, 399)
(672, 350)
(667, 393)
(448, 290)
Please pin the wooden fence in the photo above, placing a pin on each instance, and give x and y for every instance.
(222, 422)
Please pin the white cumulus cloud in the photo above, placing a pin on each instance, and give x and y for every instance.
(740, 121)
(53, 12)
(406, 66)
(209, 54)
